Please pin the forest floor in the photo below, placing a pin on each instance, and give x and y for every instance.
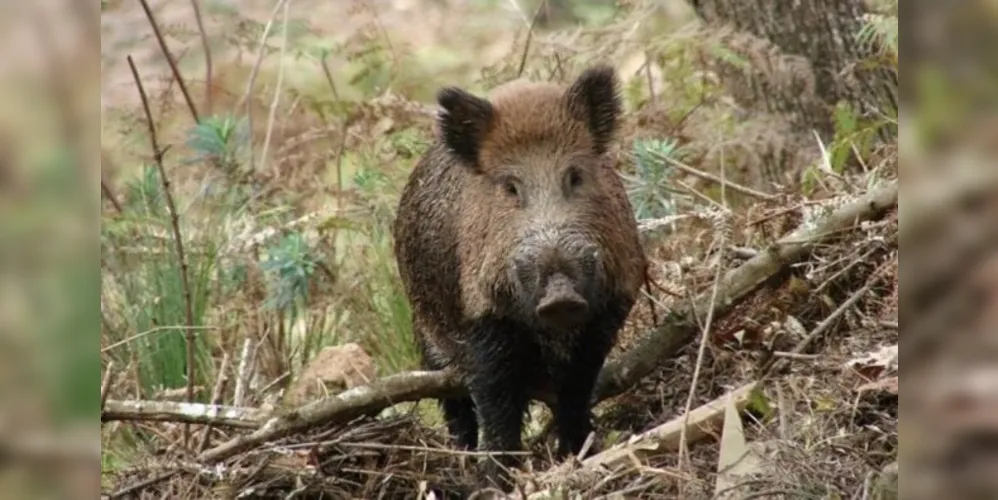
(284, 220)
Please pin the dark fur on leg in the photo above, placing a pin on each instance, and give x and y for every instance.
(459, 412)
(462, 422)
(572, 412)
(498, 386)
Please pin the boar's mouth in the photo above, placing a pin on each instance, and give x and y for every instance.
(560, 306)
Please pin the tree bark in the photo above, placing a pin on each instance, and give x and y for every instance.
(805, 58)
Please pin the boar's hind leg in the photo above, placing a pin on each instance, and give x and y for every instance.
(459, 412)
(498, 386)
(461, 421)
(572, 411)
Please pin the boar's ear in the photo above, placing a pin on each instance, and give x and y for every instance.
(593, 98)
(463, 122)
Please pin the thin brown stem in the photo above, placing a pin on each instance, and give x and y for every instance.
(141, 485)
(530, 37)
(196, 5)
(713, 178)
(170, 60)
(216, 398)
(271, 119)
(178, 240)
(344, 124)
(247, 99)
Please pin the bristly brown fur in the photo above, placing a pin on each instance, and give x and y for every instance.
(532, 158)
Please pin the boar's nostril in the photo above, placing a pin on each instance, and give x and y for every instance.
(560, 305)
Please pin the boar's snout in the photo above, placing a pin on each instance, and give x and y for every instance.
(560, 305)
(557, 273)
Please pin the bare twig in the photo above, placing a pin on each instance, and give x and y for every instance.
(158, 329)
(196, 5)
(342, 407)
(247, 99)
(713, 178)
(530, 36)
(105, 386)
(424, 449)
(242, 372)
(344, 124)
(178, 240)
(189, 413)
(329, 79)
(216, 398)
(170, 60)
(141, 485)
(277, 88)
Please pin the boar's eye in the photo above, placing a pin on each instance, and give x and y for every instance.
(510, 187)
(573, 178)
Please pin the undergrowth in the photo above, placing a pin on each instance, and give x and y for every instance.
(291, 254)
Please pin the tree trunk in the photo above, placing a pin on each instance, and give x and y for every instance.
(804, 58)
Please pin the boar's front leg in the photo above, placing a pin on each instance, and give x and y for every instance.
(572, 410)
(498, 386)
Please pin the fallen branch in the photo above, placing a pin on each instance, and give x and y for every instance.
(187, 413)
(352, 403)
(666, 438)
(679, 327)
(658, 345)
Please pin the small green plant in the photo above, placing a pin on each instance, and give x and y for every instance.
(648, 188)
(222, 141)
(290, 265)
(851, 135)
